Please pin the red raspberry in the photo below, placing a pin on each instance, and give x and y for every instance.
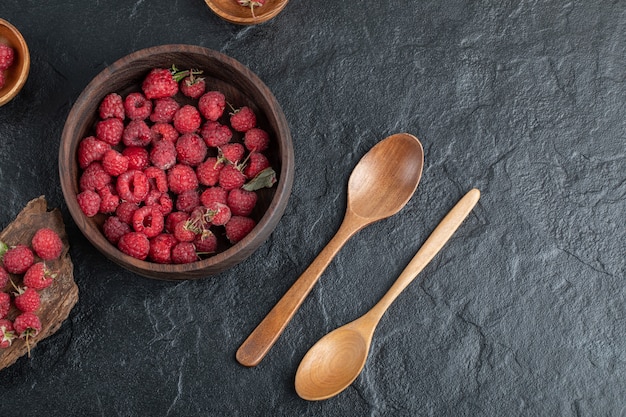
(4, 277)
(137, 106)
(182, 178)
(5, 304)
(125, 211)
(18, 259)
(94, 177)
(241, 202)
(184, 252)
(187, 119)
(212, 104)
(27, 325)
(205, 243)
(109, 200)
(110, 130)
(163, 110)
(161, 248)
(256, 140)
(7, 333)
(208, 172)
(112, 105)
(238, 227)
(216, 134)
(133, 186)
(231, 177)
(91, 149)
(134, 244)
(7, 56)
(173, 218)
(157, 178)
(39, 277)
(190, 149)
(257, 162)
(218, 214)
(159, 83)
(89, 202)
(47, 244)
(243, 119)
(187, 201)
(114, 163)
(163, 131)
(185, 231)
(26, 299)
(148, 220)
(137, 157)
(192, 86)
(162, 201)
(231, 152)
(213, 194)
(137, 133)
(114, 228)
(163, 155)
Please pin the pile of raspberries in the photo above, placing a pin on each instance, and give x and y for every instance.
(171, 170)
(19, 302)
(7, 55)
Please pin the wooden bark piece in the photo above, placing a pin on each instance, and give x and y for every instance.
(58, 299)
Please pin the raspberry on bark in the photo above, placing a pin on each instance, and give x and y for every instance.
(47, 244)
(17, 259)
(7, 333)
(27, 325)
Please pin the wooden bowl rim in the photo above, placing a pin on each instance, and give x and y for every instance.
(216, 263)
(262, 14)
(21, 48)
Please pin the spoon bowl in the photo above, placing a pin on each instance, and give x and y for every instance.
(233, 12)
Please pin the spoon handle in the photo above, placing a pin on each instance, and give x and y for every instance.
(437, 239)
(263, 337)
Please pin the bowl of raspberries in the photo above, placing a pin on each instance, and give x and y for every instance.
(14, 61)
(176, 162)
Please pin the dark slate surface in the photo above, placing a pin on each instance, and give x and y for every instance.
(522, 314)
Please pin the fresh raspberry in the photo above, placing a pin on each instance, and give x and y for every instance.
(241, 202)
(17, 259)
(238, 227)
(138, 157)
(205, 243)
(134, 244)
(187, 119)
(257, 162)
(192, 86)
(212, 104)
(160, 200)
(137, 106)
(163, 154)
(231, 152)
(114, 228)
(231, 177)
(190, 149)
(256, 140)
(173, 218)
(94, 177)
(26, 299)
(26, 326)
(4, 277)
(5, 304)
(218, 214)
(109, 200)
(112, 105)
(187, 201)
(185, 231)
(89, 202)
(161, 248)
(125, 211)
(163, 110)
(47, 244)
(184, 252)
(7, 56)
(110, 130)
(208, 172)
(91, 149)
(133, 186)
(159, 83)
(157, 178)
(148, 220)
(243, 119)
(114, 163)
(181, 178)
(163, 131)
(216, 134)
(213, 194)
(39, 277)
(137, 133)
(7, 333)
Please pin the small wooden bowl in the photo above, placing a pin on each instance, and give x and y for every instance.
(17, 74)
(241, 87)
(233, 12)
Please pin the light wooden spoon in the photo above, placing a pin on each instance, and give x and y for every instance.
(380, 185)
(334, 362)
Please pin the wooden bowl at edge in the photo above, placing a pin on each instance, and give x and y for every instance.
(18, 72)
(233, 12)
(241, 87)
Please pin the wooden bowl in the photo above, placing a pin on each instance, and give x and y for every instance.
(17, 74)
(233, 12)
(241, 87)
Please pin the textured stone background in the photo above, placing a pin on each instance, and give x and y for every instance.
(522, 314)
